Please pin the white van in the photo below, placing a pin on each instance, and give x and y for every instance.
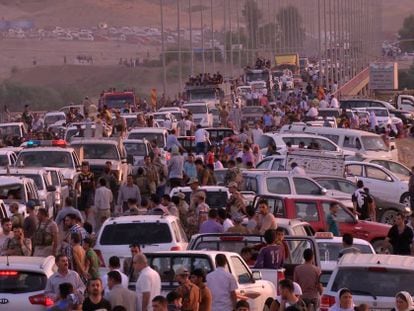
(365, 144)
(201, 113)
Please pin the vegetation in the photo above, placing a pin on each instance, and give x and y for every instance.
(406, 78)
(407, 33)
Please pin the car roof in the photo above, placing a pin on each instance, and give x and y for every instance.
(85, 141)
(66, 149)
(337, 239)
(7, 180)
(11, 124)
(23, 262)
(55, 113)
(316, 177)
(141, 218)
(206, 188)
(377, 260)
(24, 170)
(6, 151)
(269, 173)
(192, 252)
(148, 130)
(138, 141)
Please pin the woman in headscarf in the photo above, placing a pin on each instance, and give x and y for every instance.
(403, 302)
(344, 301)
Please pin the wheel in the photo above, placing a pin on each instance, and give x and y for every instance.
(405, 199)
(388, 217)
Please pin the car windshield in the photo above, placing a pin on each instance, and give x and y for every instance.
(202, 94)
(374, 143)
(214, 199)
(45, 158)
(4, 160)
(54, 118)
(11, 192)
(37, 178)
(360, 281)
(380, 112)
(159, 137)
(100, 151)
(16, 282)
(9, 130)
(128, 233)
(253, 110)
(330, 251)
(118, 102)
(135, 149)
(161, 116)
(200, 109)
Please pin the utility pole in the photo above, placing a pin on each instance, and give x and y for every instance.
(164, 69)
(180, 63)
(213, 45)
(203, 55)
(191, 37)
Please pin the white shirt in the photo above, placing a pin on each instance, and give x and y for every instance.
(334, 103)
(221, 283)
(298, 171)
(124, 281)
(312, 112)
(103, 198)
(323, 104)
(148, 281)
(257, 133)
(227, 224)
(200, 136)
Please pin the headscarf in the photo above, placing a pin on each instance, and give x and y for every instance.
(337, 305)
(408, 298)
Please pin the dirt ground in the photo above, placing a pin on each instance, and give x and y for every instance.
(406, 151)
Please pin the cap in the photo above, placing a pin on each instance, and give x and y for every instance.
(192, 180)
(182, 271)
(232, 184)
(31, 204)
(297, 290)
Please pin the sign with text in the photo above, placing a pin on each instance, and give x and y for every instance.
(383, 76)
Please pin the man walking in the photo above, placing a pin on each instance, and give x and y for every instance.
(95, 300)
(119, 295)
(128, 191)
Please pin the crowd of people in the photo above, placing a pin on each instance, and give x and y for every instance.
(204, 79)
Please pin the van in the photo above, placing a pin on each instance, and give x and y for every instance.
(365, 144)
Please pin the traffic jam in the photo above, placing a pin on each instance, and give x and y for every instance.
(263, 192)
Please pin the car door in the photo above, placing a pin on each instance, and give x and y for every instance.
(276, 205)
(381, 184)
(307, 210)
(305, 186)
(394, 167)
(64, 187)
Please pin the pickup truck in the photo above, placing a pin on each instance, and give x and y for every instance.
(228, 242)
(260, 292)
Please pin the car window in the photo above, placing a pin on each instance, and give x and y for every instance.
(352, 142)
(325, 145)
(354, 170)
(128, 233)
(276, 207)
(347, 187)
(329, 251)
(278, 165)
(296, 248)
(264, 164)
(240, 271)
(328, 184)
(307, 211)
(376, 173)
(299, 230)
(17, 282)
(278, 185)
(360, 281)
(306, 186)
(250, 184)
(342, 215)
(334, 138)
(398, 169)
(264, 141)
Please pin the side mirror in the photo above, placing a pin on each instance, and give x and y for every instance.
(51, 188)
(257, 275)
(324, 191)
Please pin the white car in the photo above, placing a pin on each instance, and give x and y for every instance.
(201, 113)
(372, 279)
(54, 118)
(381, 183)
(7, 158)
(151, 232)
(329, 249)
(400, 170)
(23, 282)
(216, 196)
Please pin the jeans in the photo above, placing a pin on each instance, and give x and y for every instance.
(201, 148)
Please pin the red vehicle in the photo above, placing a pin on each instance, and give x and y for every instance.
(118, 100)
(314, 210)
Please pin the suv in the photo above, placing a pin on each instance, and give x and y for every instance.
(152, 232)
(7, 158)
(23, 282)
(373, 279)
(98, 151)
(314, 210)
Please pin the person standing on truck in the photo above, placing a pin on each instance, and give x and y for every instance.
(272, 255)
(307, 276)
(266, 220)
(223, 286)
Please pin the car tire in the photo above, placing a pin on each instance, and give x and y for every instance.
(405, 199)
(388, 216)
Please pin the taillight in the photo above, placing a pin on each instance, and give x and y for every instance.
(8, 273)
(327, 302)
(41, 299)
(280, 275)
(175, 248)
(101, 260)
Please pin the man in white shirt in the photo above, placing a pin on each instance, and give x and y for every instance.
(103, 200)
(297, 170)
(148, 284)
(323, 103)
(257, 132)
(223, 286)
(200, 139)
(312, 112)
(334, 102)
(114, 265)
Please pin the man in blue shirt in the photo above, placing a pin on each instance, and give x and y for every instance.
(211, 225)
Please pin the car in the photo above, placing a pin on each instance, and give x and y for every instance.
(62, 188)
(381, 182)
(400, 170)
(23, 282)
(386, 211)
(372, 279)
(18, 189)
(329, 249)
(63, 158)
(217, 134)
(164, 116)
(80, 129)
(54, 117)
(7, 158)
(117, 233)
(98, 151)
(201, 113)
(252, 114)
(136, 150)
(13, 129)
(314, 211)
(44, 187)
(216, 196)
(248, 283)
(283, 182)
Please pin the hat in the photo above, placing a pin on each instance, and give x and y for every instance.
(31, 204)
(181, 195)
(192, 180)
(232, 184)
(182, 271)
(297, 290)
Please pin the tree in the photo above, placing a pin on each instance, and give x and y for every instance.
(407, 33)
(252, 15)
(292, 29)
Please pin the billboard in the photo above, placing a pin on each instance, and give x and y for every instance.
(383, 76)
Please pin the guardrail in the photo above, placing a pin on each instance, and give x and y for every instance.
(355, 85)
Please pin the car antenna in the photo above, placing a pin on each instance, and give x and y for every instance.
(7, 261)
